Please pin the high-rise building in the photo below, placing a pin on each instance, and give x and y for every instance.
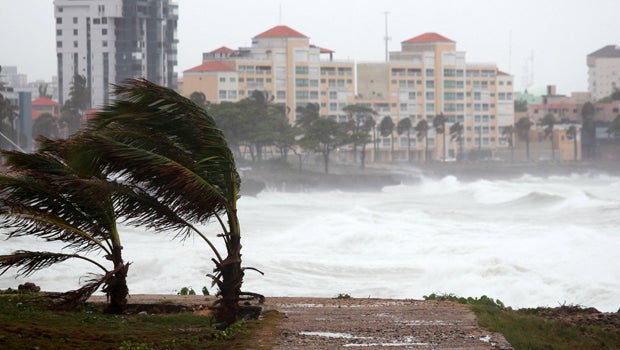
(280, 62)
(427, 77)
(108, 41)
(604, 71)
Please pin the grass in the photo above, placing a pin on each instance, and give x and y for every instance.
(26, 324)
(526, 329)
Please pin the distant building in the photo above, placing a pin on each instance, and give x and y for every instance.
(108, 41)
(428, 76)
(280, 62)
(604, 71)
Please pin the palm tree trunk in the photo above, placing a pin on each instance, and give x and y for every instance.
(363, 156)
(116, 287)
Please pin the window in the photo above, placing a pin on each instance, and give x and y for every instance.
(301, 82)
(104, 31)
(222, 80)
(302, 95)
(333, 106)
(58, 20)
(333, 95)
(314, 82)
(75, 20)
(430, 95)
(301, 70)
(430, 84)
(59, 44)
(430, 107)
(232, 94)
(341, 83)
(96, 21)
(75, 32)
(75, 44)
(104, 20)
(222, 94)
(449, 84)
(232, 79)
(104, 43)
(280, 95)
(403, 106)
(314, 95)
(58, 32)
(430, 72)
(412, 95)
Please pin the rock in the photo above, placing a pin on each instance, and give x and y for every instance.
(28, 287)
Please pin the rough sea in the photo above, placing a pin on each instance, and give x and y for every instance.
(530, 241)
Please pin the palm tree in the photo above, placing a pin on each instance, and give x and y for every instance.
(548, 121)
(523, 129)
(456, 134)
(439, 123)
(571, 134)
(508, 134)
(45, 195)
(422, 132)
(46, 126)
(588, 131)
(614, 127)
(199, 99)
(404, 126)
(358, 115)
(307, 114)
(386, 128)
(368, 125)
(166, 146)
(78, 103)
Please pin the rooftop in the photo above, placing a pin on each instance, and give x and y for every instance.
(609, 51)
(428, 38)
(210, 66)
(223, 49)
(45, 102)
(280, 31)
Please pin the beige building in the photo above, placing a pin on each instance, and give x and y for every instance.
(428, 76)
(604, 71)
(280, 62)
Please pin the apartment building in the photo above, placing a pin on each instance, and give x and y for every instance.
(428, 76)
(604, 71)
(280, 62)
(108, 41)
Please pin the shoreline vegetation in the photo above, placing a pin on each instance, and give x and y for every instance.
(186, 322)
(279, 176)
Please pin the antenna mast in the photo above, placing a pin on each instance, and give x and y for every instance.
(386, 38)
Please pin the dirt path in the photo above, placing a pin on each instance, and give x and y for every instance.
(323, 323)
(312, 323)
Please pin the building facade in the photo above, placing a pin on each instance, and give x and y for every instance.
(427, 77)
(282, 63)
(604, 71)
(108, 41)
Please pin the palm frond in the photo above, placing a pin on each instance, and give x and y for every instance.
(28, 262)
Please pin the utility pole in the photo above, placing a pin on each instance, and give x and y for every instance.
(386, 38)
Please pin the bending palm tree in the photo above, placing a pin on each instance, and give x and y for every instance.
(165, 145)
(45, 196)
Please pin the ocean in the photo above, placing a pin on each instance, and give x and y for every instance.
(530, 241)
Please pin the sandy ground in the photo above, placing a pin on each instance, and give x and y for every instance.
(322, 323)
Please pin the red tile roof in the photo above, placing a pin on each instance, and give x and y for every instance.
(322, 49)
(429, 38)
(280, 32)
(45, 102)
(499, 72)
(210, 66)
(223, 49)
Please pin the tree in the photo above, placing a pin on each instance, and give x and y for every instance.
(8, 115)
(508, 132)
(520, 106)
(357, 116)
(421, 129)
(199, 99)
(523, 130)
(548, 121)
(77, 104)
(43, 90)
(456, 134)
(404, 126)
(588, 131)
(45, 125)
(364, 137)
(439, 123)
(46, 195)
(306, 115)
(614, 127)
(386, 128)
(163, 145)
(571, 134)
(324, 136)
